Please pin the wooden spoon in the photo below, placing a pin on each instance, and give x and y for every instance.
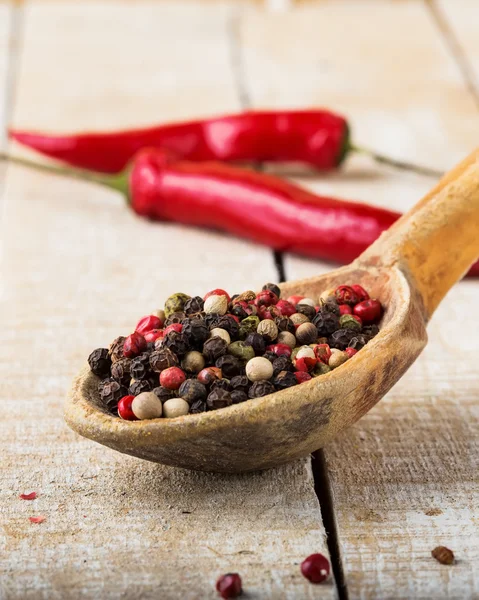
(409, 269)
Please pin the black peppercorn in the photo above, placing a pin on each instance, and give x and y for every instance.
(164, 394)
(260, 388)
(116, 348)
(140, 366)
(240, 382)
(163, 359)
(197, 407)
(306, 309)
(176, 317)
(239, 311)
(112, 392)
(230, 325)
(214, 348)
(177, 343)
(340, 339)
(271, 356)
(229, 365)
(223, 384)
(272, 287)
(284, 379)
(142, 385)
(196, 331)
(257, 342)
(212, 320)
(192, 390)
(100, 362)
(331, 306)
(120, 370)
(358, 341)
(218, 398)
(326, 322)
(285, 324)
(370, 330)
(194, 305)
(238, 396)
(282, 363)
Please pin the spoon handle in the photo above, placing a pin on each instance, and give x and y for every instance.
(438, 239)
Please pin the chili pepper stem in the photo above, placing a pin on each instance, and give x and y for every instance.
(398, 164)
(118, 182)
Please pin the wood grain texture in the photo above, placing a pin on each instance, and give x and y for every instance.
(405, 478)
(80, 269)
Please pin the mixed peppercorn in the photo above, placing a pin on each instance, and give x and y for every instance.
(202, 354)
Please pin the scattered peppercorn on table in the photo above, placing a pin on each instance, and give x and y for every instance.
(398, 491)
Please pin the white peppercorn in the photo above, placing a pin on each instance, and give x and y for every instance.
(147, 405)
(308, 301)
(193, 362)
(222, 333)
(268, 329)
(285, 337)
(299, 318)
(305, 352)
(327, 295)
(216, 304)
(176, 407)
(337, 358)
(259, 369)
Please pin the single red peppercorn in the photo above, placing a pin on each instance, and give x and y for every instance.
(305, 363)
(345, 309)
(295, 299)
(361, 293)
(302, 376)
(279, 349)
(369, 310)
(315, 568)
(266, 298)
(323, 353)
(218, 292)
(345, 294)
(286, 308)
(124, 408)
(178, 327)
(153, 335)
(229, 585)
(209, 374)
(134, 345)
(172, 378)
(351, 352)
(147, 324)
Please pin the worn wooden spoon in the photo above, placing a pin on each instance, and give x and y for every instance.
(409, 269)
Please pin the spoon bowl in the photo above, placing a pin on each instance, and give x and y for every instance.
(409, 269)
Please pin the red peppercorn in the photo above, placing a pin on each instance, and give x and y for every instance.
(266, 298)
(305, 363)
(351, 352)
(369, 310)
(345, 309)
(315, 568)
(147, 324)
(345, 294)
(134, 345)
(218, 292)
(124, 408)
(280, 349)
(286, 308)
(178, 327)
(172, 378)
(361, 293)
(295, 299)
(208, 375)
(229, 585)
(153, 335)
(323, 353)
(302, 376)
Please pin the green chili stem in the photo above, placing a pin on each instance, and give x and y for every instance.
(398, 164)
(113, 182)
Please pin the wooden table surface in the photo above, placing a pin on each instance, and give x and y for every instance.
(78, 268)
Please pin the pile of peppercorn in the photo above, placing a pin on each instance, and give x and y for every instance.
(201, 354)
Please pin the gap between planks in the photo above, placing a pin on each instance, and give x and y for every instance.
(322, 484)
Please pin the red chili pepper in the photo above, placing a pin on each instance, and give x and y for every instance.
(252, 205)
(318, 138)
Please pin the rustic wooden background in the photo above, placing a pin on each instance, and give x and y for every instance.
(78, 268)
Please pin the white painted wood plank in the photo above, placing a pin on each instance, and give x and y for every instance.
(405, 478)
(79, 270)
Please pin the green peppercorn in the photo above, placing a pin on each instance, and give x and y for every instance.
(247, 326)
(241, 350)
(349, 322)
(320, 369)
(175, 303)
